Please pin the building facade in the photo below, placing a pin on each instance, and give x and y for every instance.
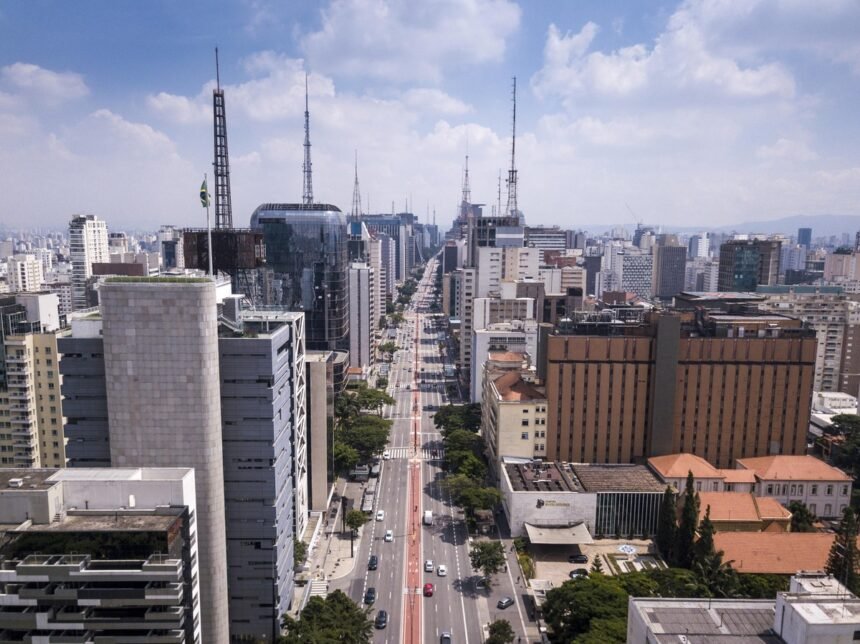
(362, 315)
(88, 243)
(747, 263)
(24, 273)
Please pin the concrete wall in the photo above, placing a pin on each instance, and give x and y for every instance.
(161, 371)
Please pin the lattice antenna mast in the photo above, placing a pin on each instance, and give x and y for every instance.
(467, 189)
(512, 173)
(356, 194)
(221, 165)
(308, 192)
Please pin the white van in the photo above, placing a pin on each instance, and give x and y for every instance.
(428, 517)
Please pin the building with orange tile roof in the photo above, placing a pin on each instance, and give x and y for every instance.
(824, 489)
(776, 553)
(673, 469)
(743, 512)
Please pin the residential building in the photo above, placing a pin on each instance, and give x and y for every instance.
(88, 243)
(492, 310)
(362, 320)
(520, 336)
(747, 263)
(816, 610)
(670, 261)
(319, 385)
(306, 250)
(466, 292)
(100, 555)
(24, 273)
(164, 409)
(699, 246)
(31, 415)
(719, 385)
(637, 274)
(261, 358)
(569, 503)
(513, 413)
(804, 237)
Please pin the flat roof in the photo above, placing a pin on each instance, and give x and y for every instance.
(106, 521)
(708, 621)
(32, 479)
(617, 478)
(558, 535)
(540, 477)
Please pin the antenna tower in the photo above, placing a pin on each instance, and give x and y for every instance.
(356, 194)
(221, 165)
(512, 173)
(308, 192)
(467, 189)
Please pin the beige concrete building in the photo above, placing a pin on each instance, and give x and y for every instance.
(721, 386)
(514, 412)
(25, 273)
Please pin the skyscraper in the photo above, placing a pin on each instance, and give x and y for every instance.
(670, 261)
(164, 408)
(306, 250)
(362, 308)
(88, 243)
(804, 237)
(747, 263)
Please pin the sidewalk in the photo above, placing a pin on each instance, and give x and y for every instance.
(330, 556)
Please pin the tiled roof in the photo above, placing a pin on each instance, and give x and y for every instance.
(779, 553)
(728, 506)
(770, 508)
(512, 388)
(738, 476)
(792, 468)
(677, 466)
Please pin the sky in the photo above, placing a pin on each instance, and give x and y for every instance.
(698, 113)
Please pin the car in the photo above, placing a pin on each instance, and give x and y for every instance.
(386, 455)
(373, 562)
(381, 619)
(578, 573)
(504, 602)
(389, 535)
(445, 638)
(580, 559)
(428, 565)
(481, 583)
(370, 595)
(442, 571)
(428, 590)
(380, 516)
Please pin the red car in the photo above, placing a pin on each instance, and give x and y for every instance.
(428, 590)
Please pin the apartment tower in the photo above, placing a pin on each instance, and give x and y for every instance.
(88, 244)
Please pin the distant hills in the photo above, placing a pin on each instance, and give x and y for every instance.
(822, 226)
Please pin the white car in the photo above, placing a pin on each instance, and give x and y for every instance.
(428, 565)
(380, 516)
(386, 455)
(389, 535)
(442, 571)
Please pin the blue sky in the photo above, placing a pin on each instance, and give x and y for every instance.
(700, 112)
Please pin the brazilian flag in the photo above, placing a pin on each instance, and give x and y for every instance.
(204, 195)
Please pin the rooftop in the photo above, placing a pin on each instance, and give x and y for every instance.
(678, 465)
(780, 553)
(543, 477)
(740, 507)
(30, 479)
(792, 468)
(702, 621)
(616, 478)
(107, 521)
(512, 388)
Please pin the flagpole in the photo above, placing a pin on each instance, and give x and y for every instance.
(208, 227)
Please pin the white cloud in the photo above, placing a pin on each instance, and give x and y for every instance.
(49, 86)
(400, 40)
(436, 101)
(786, 149)
(179, 109)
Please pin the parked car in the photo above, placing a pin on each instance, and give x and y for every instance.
(373, 562)
(380, 516)
(580, 559)
(428, 590)
(389, 535)
(578, 573)
(442, 571)
(504, 602)
(370, 595)
(428, 565)
(381, 619)
(445, 638)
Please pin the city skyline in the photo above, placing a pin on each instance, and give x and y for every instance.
(684, 112)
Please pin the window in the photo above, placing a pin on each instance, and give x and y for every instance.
(829, 491)
(814, 490)
(716, 486)
(828, 510)
(698, 486)
(525, 422)
(770, 489)
(800, 489)
(793, 490)
(812, 508)
(524, 436)
(844, 490)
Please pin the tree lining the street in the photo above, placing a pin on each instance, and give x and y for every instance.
(488, 557)
(335, 618)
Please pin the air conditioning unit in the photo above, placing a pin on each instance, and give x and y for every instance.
(16, 482)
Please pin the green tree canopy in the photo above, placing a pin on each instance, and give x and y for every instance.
(487, 556)
(802, 518)
(843, 559)
(570, 609)
(368, 435)
(334, 619)
(300, 552)
(667, 524)
(344, 456)
(355, 519)
(500, 632)
(686, 533)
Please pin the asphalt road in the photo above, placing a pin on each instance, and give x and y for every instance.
(457, 606)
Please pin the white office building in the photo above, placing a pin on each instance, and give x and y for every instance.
(88, 244)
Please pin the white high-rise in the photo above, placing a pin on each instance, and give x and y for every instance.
(88, 243)
(25, 273)
(362, 305)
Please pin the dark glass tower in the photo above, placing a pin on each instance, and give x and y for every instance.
(306, 252)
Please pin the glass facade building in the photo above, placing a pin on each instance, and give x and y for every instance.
(306, 252)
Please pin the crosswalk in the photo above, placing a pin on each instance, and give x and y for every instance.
(427, 454)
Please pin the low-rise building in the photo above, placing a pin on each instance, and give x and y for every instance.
(816, 610)
(558, 503)
(743, 512)
(674, 468)
(775, 553)
(99, 555)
